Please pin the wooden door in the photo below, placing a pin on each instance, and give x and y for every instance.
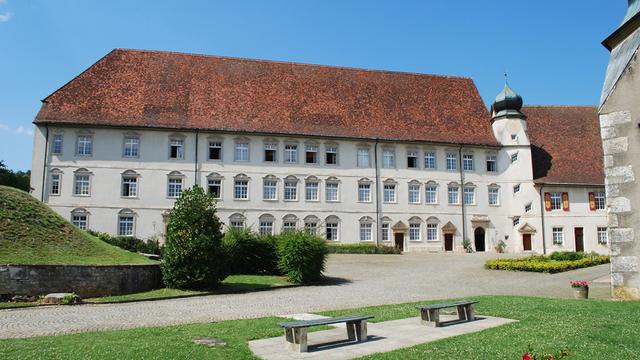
(448, 242)
(579, 239)
(399, 240)
(526, 242)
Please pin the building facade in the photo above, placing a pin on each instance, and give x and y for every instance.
(619, 111)
(407, 160)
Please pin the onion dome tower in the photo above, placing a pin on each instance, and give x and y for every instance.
(508, 123)
(507, 103)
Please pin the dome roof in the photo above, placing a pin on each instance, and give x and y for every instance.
(508, 102)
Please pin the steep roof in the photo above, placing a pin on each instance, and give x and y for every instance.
(565, 144)
(185, 91)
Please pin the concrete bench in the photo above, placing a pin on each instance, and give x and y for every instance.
(430, 314)
(295, 332)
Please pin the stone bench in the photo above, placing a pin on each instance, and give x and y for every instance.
(430, 314)
(295, 332)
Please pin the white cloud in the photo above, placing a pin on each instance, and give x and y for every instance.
(5, 17)
(24, 131)
(3, 127)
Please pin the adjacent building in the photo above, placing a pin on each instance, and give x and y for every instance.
(399, 159)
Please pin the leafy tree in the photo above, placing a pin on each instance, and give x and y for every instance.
(16, 179)
(193, 255)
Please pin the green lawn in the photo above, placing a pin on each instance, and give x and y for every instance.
(233, 283)
(588, 329)
(4, 305)
(32, 233)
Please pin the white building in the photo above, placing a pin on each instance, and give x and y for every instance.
(408, 160)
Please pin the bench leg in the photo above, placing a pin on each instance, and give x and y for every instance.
(351, 330)
(357, 330)
(296, 339)
(430, 317)
(462, 313)
(470, 312)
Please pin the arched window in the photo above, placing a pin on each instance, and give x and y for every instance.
(415, 229)
(241, 187)
(291, 188)
(312, 189)
(80, 218)
(389, 191)
(414, 192)
(366, 228)
(432, 228)
(129, 186)
(175, 183)
(289, 222)
(332, 189)
(332, 228)
(55, 181)
(453, 193)
(266, 224)
(82, 182)
(270, 188)
(385, 227)
(126, 222)
(469, 194)
(214, 185)
(364, 190)
(494, 194)
(237, 221)
(431, 192)
(311, 224)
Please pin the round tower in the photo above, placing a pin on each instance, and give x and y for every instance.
(508, 123)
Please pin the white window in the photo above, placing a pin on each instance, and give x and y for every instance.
(389, 193)
(453, 194)
(492, 163)
(236, 221)
(388, 159)
(85, 145)
(176, 149)
(467, 162)
(311, 225)
(241, 190)
(266, 227)
(215, 150)
(271, 152)
(331, 191)
(514, 137)
(556, 201)
(289, 224)
(56, 148)
(242, 151)
(366, 233)
(129, 186)
(331, 155)
(494, 196)
(291, 153)
(54, 188)
(80, 219)
(516, 188)
(270, 189)
(386, 232)
(600, 200)
(452, 161)
(558, 236)
(603, 238)
(364, 192)
(527, 208)
(431, 194)
(432, 232)
(131, 147)
(363, 158)
(311, 154)
(331, 231)
(290, 190)
(311, 190)
(82, 184)
(414, 232)
(516, 220)
(430, 160)
(215, 188)
(125, 225)
(414, 194)
(514, 157)
(469, 195)
(412, 159)
(174, 189)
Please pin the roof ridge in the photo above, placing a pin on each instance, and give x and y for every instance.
(293, 63)
(559, 106)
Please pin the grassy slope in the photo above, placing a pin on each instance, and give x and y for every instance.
(31, 233)
(588, 329)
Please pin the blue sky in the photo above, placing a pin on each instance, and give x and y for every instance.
(551, 49)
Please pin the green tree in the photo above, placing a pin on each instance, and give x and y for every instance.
(17, 179)
(193, 256)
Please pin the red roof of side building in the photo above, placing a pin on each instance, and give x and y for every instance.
(565, 144)
(183, 91)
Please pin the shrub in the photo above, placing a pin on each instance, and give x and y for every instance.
(361, 249)
(193, 254)
(301, 256)
(500, 246)
(544, 264)
(150, 246)
(566, 255)
(466, 243)
(248, 253)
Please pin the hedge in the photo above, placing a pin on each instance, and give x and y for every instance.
(248, 253)
(545, 264)
(301, 256)
(130, 243)
(362, 249)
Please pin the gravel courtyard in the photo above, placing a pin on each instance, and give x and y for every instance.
(354, 280)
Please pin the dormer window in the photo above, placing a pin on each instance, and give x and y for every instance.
(492, 163)
(56, 148)
(311, 154)
(388, 159)
(412, 159)
(215, 150)
(176, 149)
(270, 152)
(131, 147)
(85, 145)
(331, 155)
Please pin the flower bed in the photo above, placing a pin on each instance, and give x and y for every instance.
(362, 249)
(546, 264)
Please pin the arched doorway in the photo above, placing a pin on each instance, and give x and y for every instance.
(479, 239)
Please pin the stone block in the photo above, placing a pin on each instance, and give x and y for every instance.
(619, 175)
(615, 146)
(617, 279)
(619, 205)
(621, 235)
(608, 132)
(615, 118)
(612, 220)
(59, 298)
(624, 264)
(609, 161)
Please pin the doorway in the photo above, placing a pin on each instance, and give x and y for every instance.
(526, 242)
(579, 239)
(448, 242)
(399, 240)
(479, 239)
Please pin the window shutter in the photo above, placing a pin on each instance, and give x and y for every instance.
(565, 201)
(547, 201)
(592, 201)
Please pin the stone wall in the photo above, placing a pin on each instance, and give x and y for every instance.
(86, 281)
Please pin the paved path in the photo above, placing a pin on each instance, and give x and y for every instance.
(357, 280)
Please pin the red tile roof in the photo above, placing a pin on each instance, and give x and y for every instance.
(565, 144)
(184, 91)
